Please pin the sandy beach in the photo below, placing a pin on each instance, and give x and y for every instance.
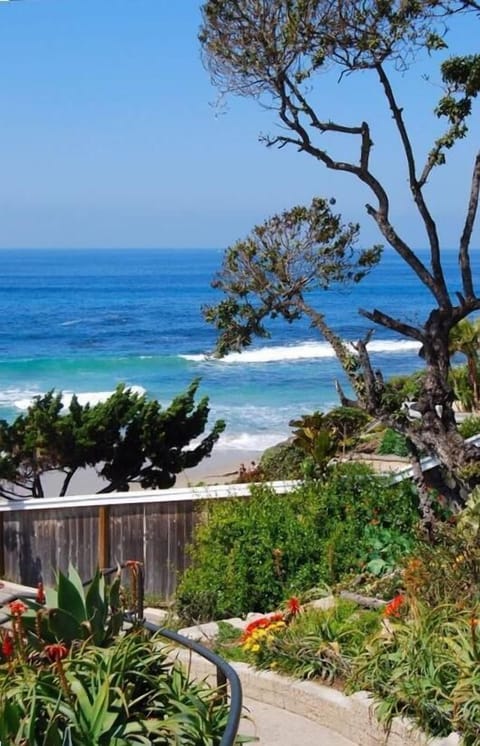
(219, 468)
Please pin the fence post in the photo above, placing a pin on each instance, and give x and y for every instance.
(104, 536)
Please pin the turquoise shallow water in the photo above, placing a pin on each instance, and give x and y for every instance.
(83, 321)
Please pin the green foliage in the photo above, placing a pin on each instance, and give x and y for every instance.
(73, 672)
(283, 461)
(468, 524)
(470, 426)
(267, 274)
(384, 548)
(249, 554)
(394, 443)
(427, 667)
(345, 425)
(462, 389)
(312, 436)
(320, 435)
(448, 570)
(465, 339)
(227, 643)
(128, 438)
(316, 438)
(399, 389)
(126, 694)
(321, 644)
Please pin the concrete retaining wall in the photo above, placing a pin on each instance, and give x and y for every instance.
(351, 717)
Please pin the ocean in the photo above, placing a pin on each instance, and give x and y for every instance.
(85, 320)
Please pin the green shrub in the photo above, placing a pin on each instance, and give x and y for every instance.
(462, 388)
(470, 426)
(448, 570)
(283, 461)
(250, 554)
(246, 553)
(393, 443)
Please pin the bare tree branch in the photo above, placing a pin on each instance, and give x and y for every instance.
(379, 317)
(440, 285)
(290, 115)
(464, 255)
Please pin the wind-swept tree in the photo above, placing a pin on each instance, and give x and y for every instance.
(277, 52)
(127, 438)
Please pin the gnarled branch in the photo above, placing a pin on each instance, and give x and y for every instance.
(463, 255)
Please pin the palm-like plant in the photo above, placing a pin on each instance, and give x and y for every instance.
(465, 339)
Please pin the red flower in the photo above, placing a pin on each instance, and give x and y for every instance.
(393, 608)
(7, 646)
(17, 608)
(56, 652)
(40, 597)
(293, 606)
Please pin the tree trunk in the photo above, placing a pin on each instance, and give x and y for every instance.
(437, 431)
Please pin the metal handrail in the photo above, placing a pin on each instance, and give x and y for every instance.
(225, 673)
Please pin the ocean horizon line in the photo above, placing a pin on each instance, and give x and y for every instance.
(387, 249)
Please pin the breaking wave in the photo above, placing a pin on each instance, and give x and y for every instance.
(303, 351)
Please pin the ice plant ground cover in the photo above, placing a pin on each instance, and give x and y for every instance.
(72, 673)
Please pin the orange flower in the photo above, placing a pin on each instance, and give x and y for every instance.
(56, 652)
(393, 608)
(17, 608)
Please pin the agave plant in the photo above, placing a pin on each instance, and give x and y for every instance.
(74, 612)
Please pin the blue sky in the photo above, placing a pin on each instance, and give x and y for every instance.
(110, 136)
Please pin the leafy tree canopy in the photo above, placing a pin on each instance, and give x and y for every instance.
(127, 438)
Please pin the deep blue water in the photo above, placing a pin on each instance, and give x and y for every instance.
(82, 321)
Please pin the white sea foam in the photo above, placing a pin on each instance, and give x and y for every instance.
(250, 441)
(304, 351)
(73, 322)
(9, 396)
(89, 397)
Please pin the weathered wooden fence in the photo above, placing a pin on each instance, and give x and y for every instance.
(40, 536)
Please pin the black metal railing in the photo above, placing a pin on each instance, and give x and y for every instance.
(226, 677)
